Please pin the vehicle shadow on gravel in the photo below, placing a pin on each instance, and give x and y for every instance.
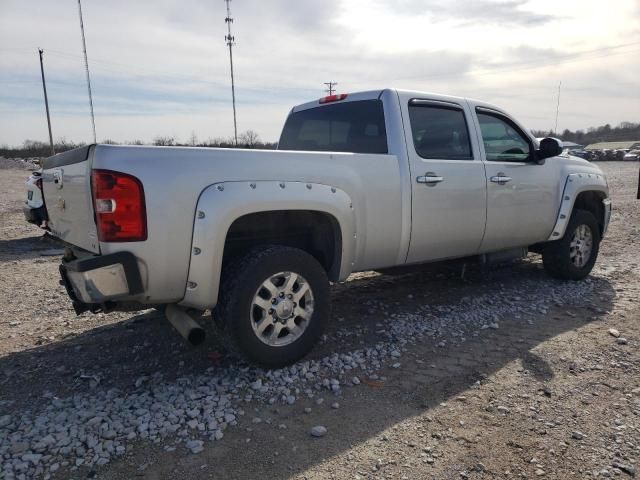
(128, 354)
(428, 375)
(26, 248)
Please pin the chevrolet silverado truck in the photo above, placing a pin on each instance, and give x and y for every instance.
(360, 181)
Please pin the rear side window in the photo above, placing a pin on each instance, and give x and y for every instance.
(440, 132)
(356, 127)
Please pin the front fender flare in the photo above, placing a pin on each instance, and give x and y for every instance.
(220, 204)
(575, 184)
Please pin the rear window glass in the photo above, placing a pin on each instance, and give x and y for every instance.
(440, 132)
(356, 127)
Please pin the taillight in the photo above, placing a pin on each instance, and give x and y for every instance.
(39, 183)
(333, 98)
(118, 203)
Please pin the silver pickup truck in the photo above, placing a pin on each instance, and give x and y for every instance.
(364, 181)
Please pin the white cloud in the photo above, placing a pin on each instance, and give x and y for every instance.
(161, 68)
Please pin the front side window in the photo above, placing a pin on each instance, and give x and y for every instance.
(440, 132)
(502, 141)
(356, 127)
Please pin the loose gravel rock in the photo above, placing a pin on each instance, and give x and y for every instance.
(94, 418)
(318, 431)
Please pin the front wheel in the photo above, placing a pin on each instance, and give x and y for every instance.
(273, 305)
(573, 256)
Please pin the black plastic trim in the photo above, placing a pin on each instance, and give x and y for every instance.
(435, 103)
(69, 157)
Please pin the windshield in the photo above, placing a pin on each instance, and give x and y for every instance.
(356, 127)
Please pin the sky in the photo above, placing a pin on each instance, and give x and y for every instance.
(161, 67)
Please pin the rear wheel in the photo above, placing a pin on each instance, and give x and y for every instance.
(573, 256)
(273, 305)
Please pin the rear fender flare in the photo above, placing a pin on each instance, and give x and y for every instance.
(220, 204)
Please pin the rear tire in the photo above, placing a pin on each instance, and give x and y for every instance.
(573, 256)
(273, 305)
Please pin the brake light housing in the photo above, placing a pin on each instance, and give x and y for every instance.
(333, 98)
(119, 206)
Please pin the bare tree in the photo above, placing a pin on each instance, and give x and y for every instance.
(193, 139)
(250, 138)
(163, 141)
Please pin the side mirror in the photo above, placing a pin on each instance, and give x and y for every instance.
(549, 147)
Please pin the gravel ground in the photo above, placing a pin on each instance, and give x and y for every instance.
(500, 373)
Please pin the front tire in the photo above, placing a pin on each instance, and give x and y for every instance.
(273, 305)
(573, 256)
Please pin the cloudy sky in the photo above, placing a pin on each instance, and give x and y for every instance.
(161, 67)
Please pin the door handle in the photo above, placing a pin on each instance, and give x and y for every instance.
(500, 179)
(430, 179)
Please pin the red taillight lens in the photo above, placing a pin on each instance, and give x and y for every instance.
(118, 203)
(333, 98)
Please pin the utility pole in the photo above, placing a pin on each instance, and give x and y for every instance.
(555, 130)
(86, 67)
(330, 86)
(230, 39)
(46, 101)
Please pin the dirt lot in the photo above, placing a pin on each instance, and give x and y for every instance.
(500, 373)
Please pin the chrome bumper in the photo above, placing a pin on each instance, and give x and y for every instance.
(100, 279)
(607, 215)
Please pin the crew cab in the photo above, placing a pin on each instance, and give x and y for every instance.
(360, 181)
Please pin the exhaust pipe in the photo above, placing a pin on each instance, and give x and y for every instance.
(184, 323)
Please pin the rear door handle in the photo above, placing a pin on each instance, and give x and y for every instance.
(500, 179)
(430, 178)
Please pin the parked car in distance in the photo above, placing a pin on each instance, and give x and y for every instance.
(620, 153)
(632, 155)
(585, 154)
(360, 181)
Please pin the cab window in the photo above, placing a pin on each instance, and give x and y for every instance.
(503, 142)
(356, 126)
(440, 132)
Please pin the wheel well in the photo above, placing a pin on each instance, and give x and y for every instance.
(591, 201)
(317, 233)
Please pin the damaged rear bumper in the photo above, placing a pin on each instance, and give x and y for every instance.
(93, 282)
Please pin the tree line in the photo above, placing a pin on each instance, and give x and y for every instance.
(38, 149)
(625, 131)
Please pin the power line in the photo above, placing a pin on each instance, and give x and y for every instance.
(330, 86)
(230, 39)
(86, 67)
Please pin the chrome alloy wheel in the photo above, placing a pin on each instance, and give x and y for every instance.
(281, 309)
(581, 245)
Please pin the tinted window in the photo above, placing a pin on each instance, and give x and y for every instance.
(440, 132)
(356, 127)
(502, 141)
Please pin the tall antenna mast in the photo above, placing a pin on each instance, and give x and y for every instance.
(230, 39)
(555, 130)
(330, 86)
(86, 67)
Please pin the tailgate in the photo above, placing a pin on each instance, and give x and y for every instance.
(66, 182)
